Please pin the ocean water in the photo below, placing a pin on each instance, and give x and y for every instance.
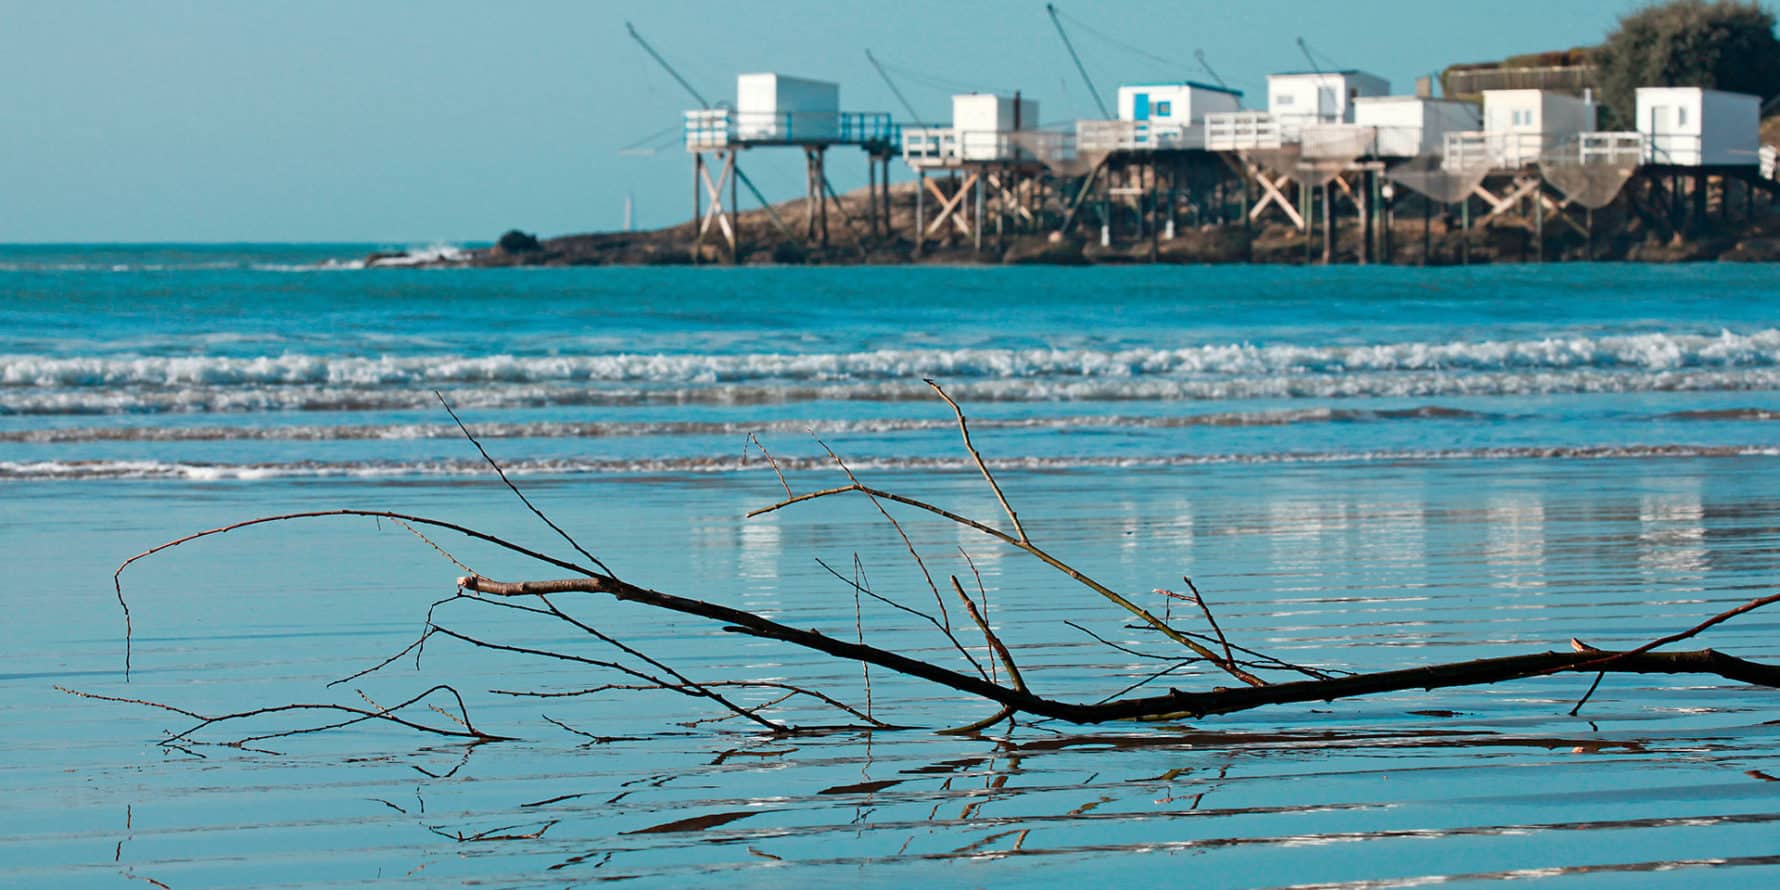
(1360, 469)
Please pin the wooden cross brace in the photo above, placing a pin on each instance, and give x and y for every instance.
(1271, 194)
(1009, 198)
(1522, 187)
(716, 213)
(949, 207)
(1558, 208)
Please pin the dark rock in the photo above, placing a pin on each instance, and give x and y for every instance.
(515, 241)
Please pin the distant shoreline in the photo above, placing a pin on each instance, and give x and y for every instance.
(1440, 239)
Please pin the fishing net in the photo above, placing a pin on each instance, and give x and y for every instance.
(1057, 151)
(1283, 159)
(1326, 151)
(1591, 178)
(1439, 180)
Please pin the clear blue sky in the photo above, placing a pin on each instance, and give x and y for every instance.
(412, 123)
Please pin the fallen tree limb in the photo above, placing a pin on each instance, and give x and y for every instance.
(1010, 690)
(1175, 703)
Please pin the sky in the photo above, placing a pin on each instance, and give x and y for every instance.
(406, 123)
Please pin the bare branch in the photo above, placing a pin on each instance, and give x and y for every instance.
(117, 576)
(1006, 657)
(964, 430)
(770, 460)
(515, 489)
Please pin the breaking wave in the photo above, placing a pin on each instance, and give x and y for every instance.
(199, 471)
(209, 398)
(566, 430)
(1637, 352)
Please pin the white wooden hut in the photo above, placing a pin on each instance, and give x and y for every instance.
(772, 107)
(1411, 126)
(1158, 115)
(1298, 98)
(1179, 104)
(981, 130)
(1696, 127)
(1520, 125)
(984, 120)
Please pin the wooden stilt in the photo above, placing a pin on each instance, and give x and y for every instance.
(1387, 205)
(920, 212)
(821, 175)
(1328, 225)
(977, 236)
(1427, 230)
(698, 212)
(1539, 225)
(1153, 212)
(1465, 230)
(1368, 186)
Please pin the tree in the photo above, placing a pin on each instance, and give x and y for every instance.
(1723, 45)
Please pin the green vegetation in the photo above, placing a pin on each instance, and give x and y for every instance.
(1725, 45)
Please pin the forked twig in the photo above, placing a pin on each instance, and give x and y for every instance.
(964, 430)
(515, 489)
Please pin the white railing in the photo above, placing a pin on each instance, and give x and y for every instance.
(1242, 130)
(708, 128)
(1049, 146)
(1679, 149)
(948, 146)
(1770, 162)
(1100, 135)
(1613, 148)
(1500, 151)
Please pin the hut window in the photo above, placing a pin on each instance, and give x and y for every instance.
(1286, 98)
(1681, 116)
(1164, 109)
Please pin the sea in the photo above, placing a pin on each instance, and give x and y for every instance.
(1358, 469)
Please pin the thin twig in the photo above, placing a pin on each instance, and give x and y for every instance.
(117, 576)
(770, 460)
(995, 644)
(964, 430)
(515, 489)
(1199, 599)
(1038, 553)
(945, 618)
(1587, 695)
(950, 637)
(1720, 618)
(860, 582)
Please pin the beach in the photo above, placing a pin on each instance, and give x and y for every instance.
(1361, 469)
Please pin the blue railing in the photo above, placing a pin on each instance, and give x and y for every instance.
(720, 127)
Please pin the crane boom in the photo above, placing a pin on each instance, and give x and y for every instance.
(1079, 67)
(704, 103)
(1200, 55)
(892, 85)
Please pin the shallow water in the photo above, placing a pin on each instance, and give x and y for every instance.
(1361, 469)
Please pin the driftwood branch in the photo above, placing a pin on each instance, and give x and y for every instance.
(1011, 691)
(1175, 703)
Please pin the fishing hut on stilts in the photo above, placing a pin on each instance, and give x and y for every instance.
(778, 111)
(986, 169)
